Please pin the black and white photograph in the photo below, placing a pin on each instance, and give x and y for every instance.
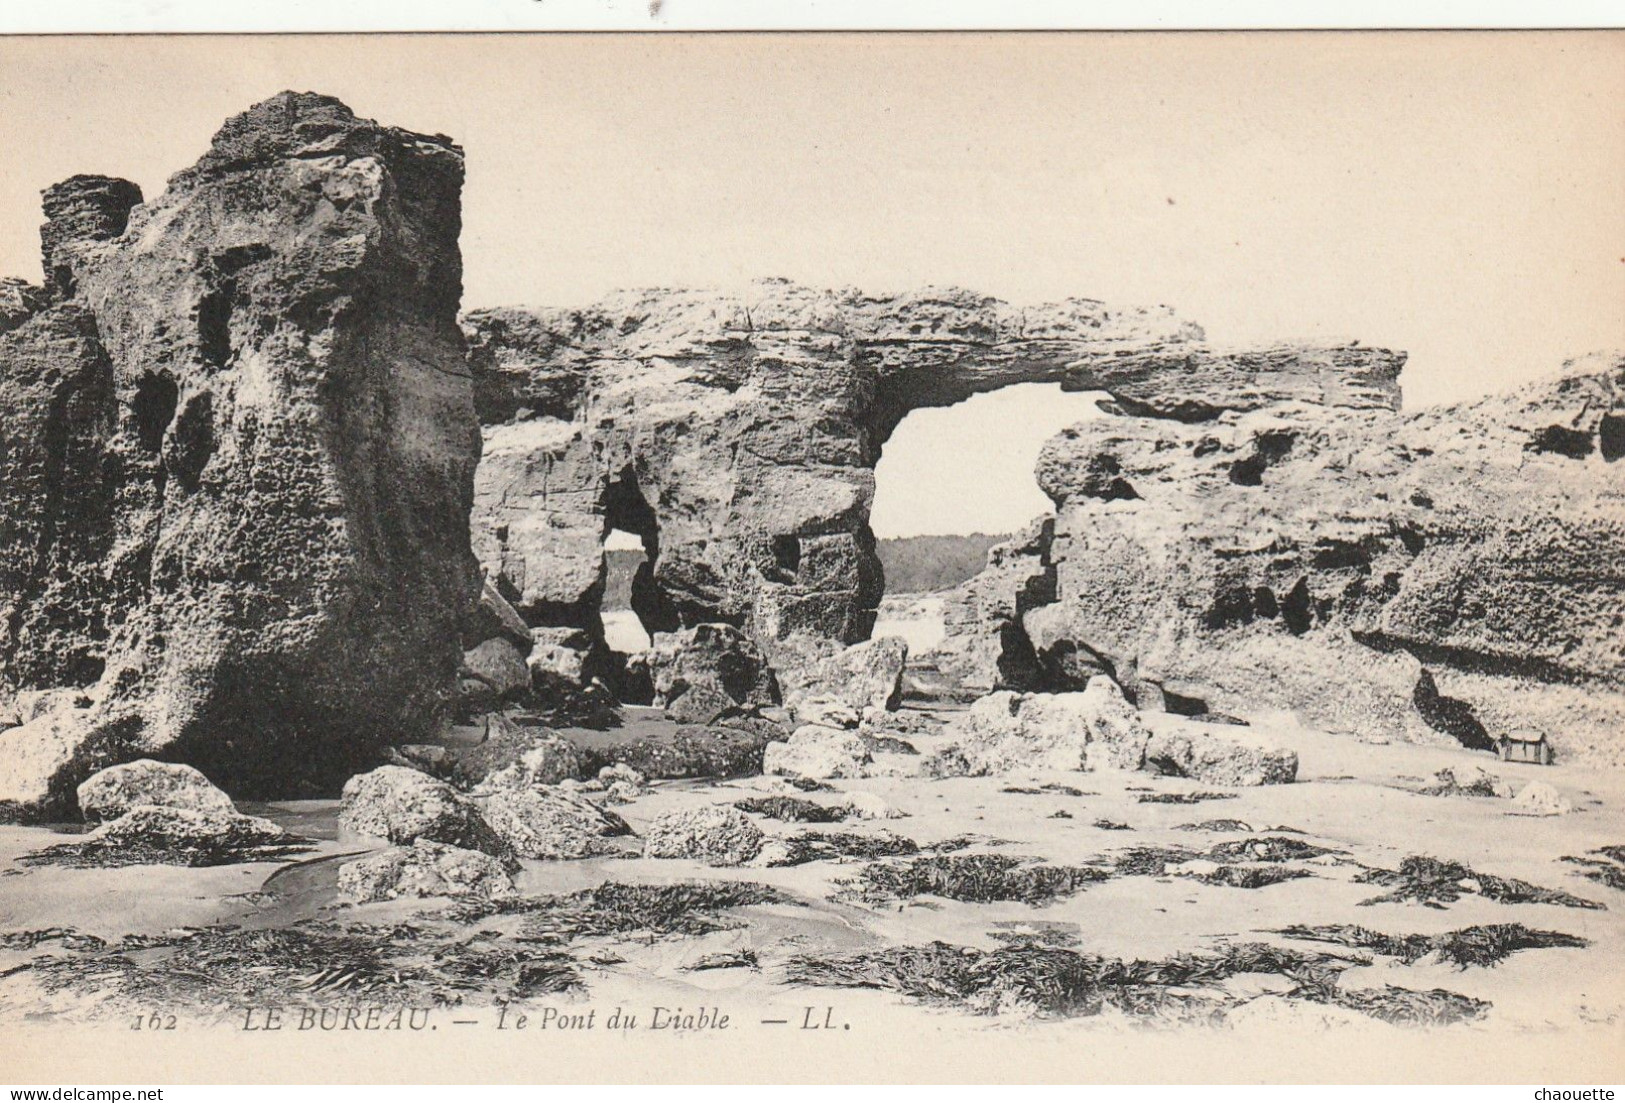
(803, 558)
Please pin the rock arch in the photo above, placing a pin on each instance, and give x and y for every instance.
(754, 422)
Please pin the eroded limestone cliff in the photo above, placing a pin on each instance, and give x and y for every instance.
(239, 463)
(1453, 573)
(737, 435)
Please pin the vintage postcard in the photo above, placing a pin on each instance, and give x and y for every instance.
(811, 558)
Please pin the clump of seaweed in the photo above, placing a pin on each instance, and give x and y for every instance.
(312, 964)
(727, 959)
(1035, 978)
(808, 784)
(235, 846)
(1150, 861)
(1267, 849)
(1046, 934)
(27, 940)
(1112, 825)
(1436, 883)
(1611, 874)
(1250, 877)
(1182, 798)
(974, 878)
(1215, 825)
(956, 843)
(824, 846)
(1065, 790)
(1483, 946)
(614, 907)
(1401, 1006)
(792, 809)
(322, 964)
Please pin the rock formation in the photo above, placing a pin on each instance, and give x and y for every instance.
(737, 436)
(238, 462)
(1450, 574)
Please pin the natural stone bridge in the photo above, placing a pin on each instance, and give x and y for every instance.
(737, 436)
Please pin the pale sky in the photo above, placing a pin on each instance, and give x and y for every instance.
(1460, 196)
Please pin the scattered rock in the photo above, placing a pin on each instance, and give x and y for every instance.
(1117, 738)
(153, 835)
(563, 658)
(1205, 755)
(160, 826)
(110, 793)
(948, 760)
(717, 835)
(886, 744)
(624, 792)
(493, 617)
(870, 806)
(822, 710)
(425, 868)
(905, 722)
(542, 823)
(621, 773)
(1540, 799)
(1093, 730)
(864, 676)
(402, 806)
(492, 673)
(701, 705)
(685, 753)
(1469, 781)
(818, 752)
(47, 757)
(515, 757)
(717, 663)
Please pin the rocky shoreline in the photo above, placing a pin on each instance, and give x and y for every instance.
(282, 525)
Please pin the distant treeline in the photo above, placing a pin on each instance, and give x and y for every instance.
(914, 565)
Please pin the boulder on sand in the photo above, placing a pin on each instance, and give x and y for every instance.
(1469, 781)
(163, 828)
(818, 752)
(514, 757)
(865, 675)
(824, 710)
(1540, 799)
(1229, 758)
(690, 751)
(1092, 730)
(47, 757)
(403, 805)
(425, 868)
(110, 793)
(717, 663)
(551, 824)
(493, 672)
(718, 835)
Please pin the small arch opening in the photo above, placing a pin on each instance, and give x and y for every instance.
(624, 557)
(953, 481)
